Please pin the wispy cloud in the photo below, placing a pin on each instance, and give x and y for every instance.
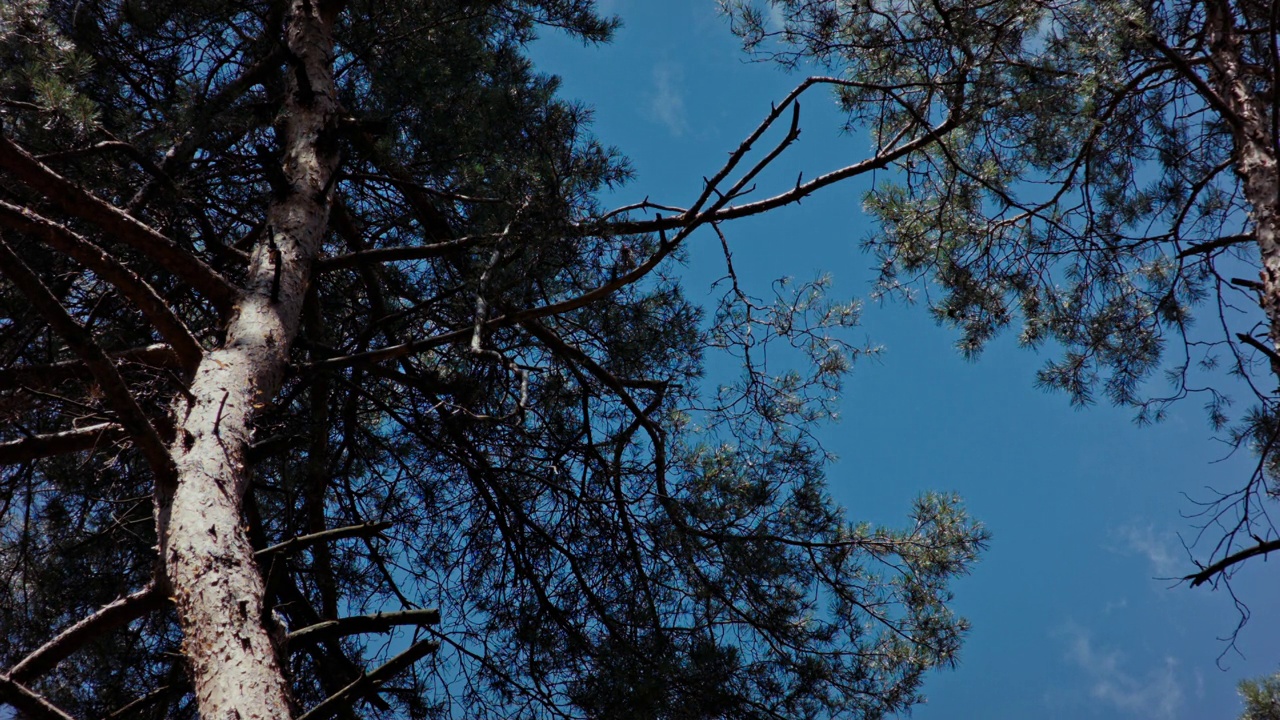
(666, 98)
(1161, 549)
(775, 20)
(1155, 693)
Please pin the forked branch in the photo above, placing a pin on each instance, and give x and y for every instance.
(1208, 573)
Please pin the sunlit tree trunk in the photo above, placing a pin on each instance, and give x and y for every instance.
(207, 556)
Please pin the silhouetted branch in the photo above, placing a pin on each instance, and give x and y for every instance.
(115, 392)
(1261, 347)
(1205, 575)
(695, 215)
(109, 617)
(31, 704)
(1205, 248)
(126, 281)
(45, 376)
(357, 624)
(45, 445)
(77, 201)
(302, 541)
(381, 255)
(371, 681)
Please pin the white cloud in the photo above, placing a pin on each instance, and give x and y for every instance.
(1161, 549)
(1114, 605)
(775, 20)
(1155, 694)
(666, 100)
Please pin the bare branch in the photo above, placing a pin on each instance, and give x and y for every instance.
(1205, 575)
(45, 376)
(31, 704)
(131, 286)
(109, 617)
(357, 624)
(34, 447)
(83, 204)
(381, 255)
(797, 193)
(1205, 248)
(302, 541)
(81, 341)
(1261, 347)
(371, 681)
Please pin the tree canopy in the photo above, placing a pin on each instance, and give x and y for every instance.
(330, 389)
(1111, 191)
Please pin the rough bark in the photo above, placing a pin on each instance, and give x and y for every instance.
(1255, 161)
(209, 561)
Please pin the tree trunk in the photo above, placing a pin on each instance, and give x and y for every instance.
(1255, 147)
(204, 547)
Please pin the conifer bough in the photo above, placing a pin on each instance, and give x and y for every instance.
(329, 390)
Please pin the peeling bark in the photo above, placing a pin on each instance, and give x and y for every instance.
(207, 555)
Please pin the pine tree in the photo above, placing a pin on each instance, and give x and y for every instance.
(1114, 178)
(1261, 698)
(330, 390)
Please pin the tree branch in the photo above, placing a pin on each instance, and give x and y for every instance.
(115, 392)
(1205, 575)
(1261, 347)
(113, 271)
(371, 681)
(83, 204)
(357, 624)
(1185, 69)
(34, 447)
(27, 701)
(797, 193)
(1205, 248)
(109, 617)
(381, 255)
(302, 541)
(53, 374)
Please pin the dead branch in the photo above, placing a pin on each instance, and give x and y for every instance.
(54, 374)
(302, 541)
(1205, 575)
(357, 624)
(381, 255)
(46, 445)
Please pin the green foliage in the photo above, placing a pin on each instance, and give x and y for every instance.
(1092, 192)
(1261, 698)
(602, 538)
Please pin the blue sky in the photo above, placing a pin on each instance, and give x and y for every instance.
(1085, 508)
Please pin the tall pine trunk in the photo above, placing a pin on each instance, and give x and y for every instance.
(1255, 152)
(205, 550)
